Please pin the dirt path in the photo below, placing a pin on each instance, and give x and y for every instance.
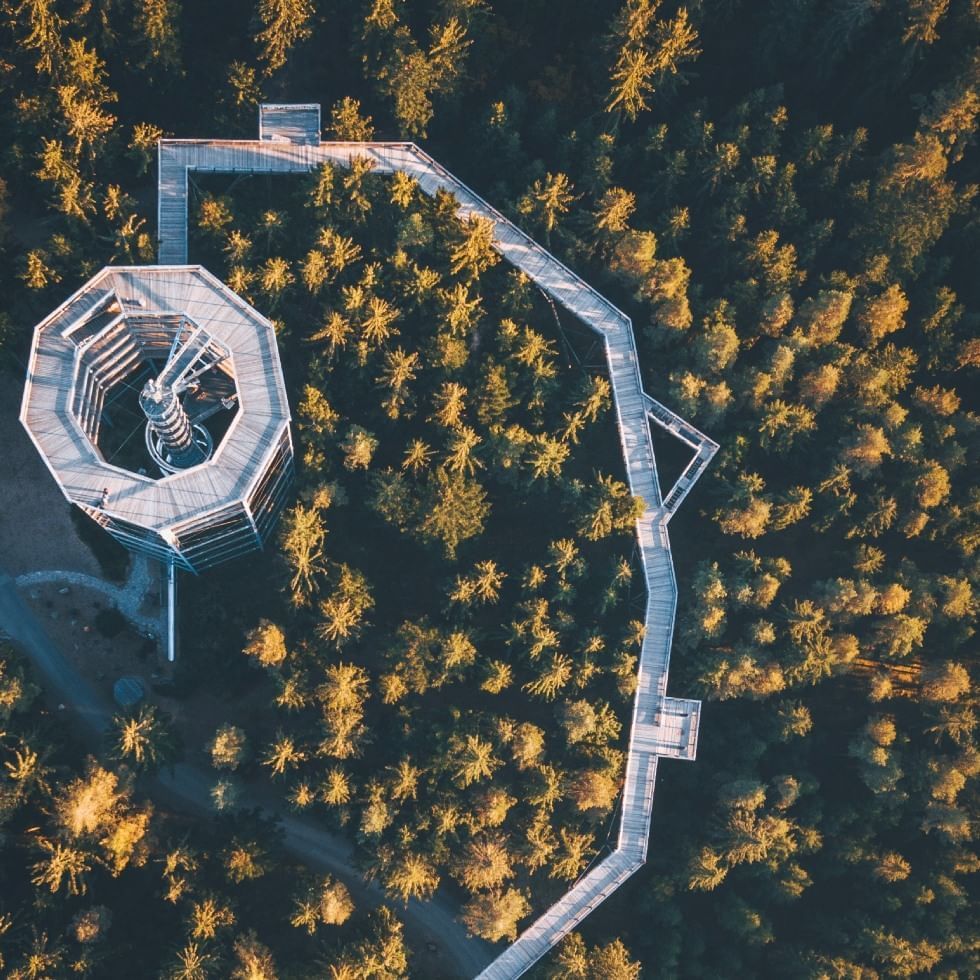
(440, 943)
(128, 598)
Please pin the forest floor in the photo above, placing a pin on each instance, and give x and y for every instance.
(69, 617)
(36, 530)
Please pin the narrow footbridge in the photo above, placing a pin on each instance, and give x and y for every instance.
(663, 727)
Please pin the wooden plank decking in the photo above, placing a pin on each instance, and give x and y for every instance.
(289, 123)
(662, 726)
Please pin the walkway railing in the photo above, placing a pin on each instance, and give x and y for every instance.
(649, 741)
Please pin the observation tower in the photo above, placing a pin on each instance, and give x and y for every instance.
(155, 396)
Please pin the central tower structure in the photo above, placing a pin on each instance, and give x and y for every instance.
(173, 441)
(172, 354)
(169, 434)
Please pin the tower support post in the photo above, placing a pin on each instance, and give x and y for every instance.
(171, 611)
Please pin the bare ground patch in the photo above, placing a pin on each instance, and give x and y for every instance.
(36, 530)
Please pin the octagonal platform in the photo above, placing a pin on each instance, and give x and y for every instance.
(84, 360)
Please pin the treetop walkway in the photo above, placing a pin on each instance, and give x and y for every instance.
(662, 726)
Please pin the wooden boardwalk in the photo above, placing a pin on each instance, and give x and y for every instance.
(662, 726)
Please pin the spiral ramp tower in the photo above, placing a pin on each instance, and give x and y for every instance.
(172, 354)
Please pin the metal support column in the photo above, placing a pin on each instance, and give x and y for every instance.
(171, 611)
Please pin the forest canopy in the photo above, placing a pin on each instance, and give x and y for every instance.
(454, 657)
(783, 197)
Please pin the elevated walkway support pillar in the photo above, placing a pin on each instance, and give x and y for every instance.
(171, 611)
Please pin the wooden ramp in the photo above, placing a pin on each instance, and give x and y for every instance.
(662, 727)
